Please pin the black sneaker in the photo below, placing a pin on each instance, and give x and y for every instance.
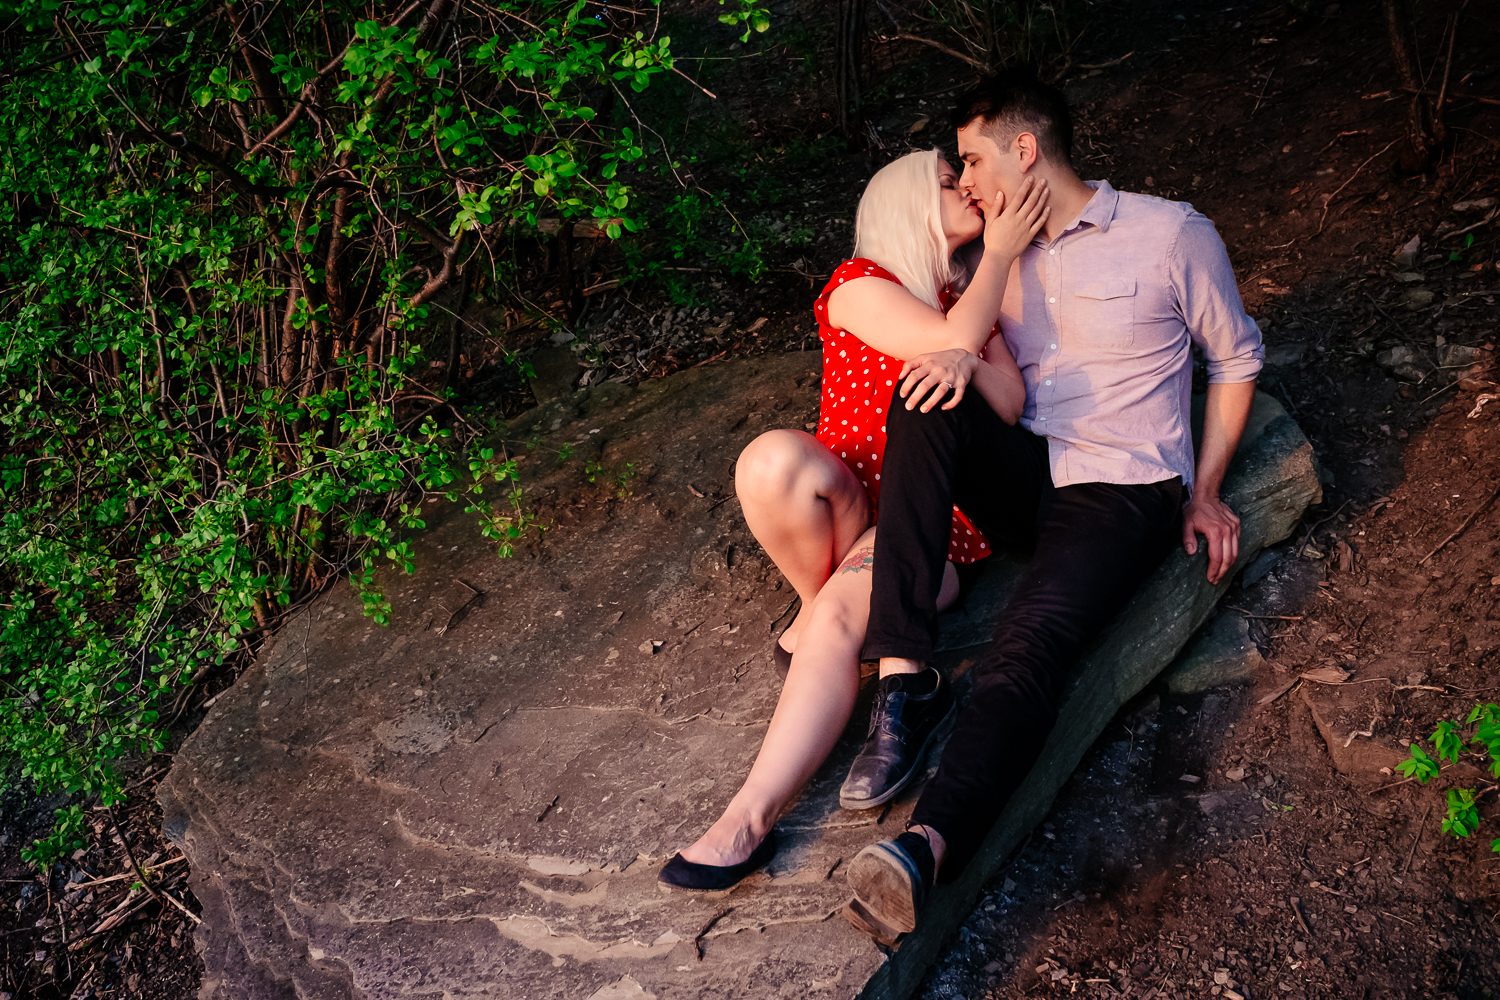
(902, 726)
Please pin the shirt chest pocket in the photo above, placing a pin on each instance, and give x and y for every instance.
(1103, 313)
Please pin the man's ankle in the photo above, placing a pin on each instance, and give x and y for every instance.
(900, 665)
(935, 843)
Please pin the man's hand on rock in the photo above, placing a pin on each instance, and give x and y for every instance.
(1211, 517)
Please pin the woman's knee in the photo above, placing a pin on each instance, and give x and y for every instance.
(840, 618)
(777, 463)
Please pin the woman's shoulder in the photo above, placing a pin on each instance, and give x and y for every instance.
(857, 267)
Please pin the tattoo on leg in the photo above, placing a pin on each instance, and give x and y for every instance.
(860, 560)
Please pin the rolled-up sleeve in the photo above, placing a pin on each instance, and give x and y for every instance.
(1209, 300)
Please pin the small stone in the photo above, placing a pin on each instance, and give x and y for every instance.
(1409, 252)
(1235, 774)
(1221, 977)
(1474, 205)
(1417, 298)
(1009, 886)
(1191, 779)
(1284, 355)
(1410, 277)
(1455, 355)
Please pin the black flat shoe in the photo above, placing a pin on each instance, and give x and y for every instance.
(783, 659)
(690, 875)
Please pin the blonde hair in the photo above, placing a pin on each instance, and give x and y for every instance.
(899, 225)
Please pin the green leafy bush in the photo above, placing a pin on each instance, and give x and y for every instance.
(231, 233)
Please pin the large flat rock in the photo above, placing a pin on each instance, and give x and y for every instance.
(474, 801)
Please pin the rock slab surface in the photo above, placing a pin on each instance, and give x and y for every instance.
(474, 801)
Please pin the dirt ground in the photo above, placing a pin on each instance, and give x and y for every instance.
(1209, 844)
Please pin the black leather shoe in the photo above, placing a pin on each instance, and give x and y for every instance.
(890, 882)
(687, 874)
(902, 727)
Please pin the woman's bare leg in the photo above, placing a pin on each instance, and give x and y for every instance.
(815, 705)
(804, 506)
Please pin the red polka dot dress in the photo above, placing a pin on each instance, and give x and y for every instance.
(858, 383)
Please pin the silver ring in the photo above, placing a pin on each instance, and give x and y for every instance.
(945, 384)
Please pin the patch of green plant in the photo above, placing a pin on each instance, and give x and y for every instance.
(228, 240)
(622, 481)
(1477, 736)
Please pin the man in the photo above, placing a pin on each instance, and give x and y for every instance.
(1101, 313)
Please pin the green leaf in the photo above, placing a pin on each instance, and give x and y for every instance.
(1418, 765)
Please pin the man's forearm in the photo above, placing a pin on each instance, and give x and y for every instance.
(1225, 413)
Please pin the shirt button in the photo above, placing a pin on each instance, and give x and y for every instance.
(1054, 347)
(1049, 381)
(1041, 418)
(1052, 251)
(1052, 299)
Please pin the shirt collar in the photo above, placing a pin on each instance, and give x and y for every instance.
(1100, 210)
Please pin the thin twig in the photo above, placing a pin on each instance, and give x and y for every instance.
(1285, 618)
(1329, 203)
(1263, 89)
(1107, 65)
(144, 878)
(1459, 530)
(1296, 905)
(1417, 839)
(695, 83)
(977, 64)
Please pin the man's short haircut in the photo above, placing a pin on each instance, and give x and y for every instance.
(1015, 101)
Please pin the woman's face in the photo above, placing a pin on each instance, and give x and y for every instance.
(962, 218)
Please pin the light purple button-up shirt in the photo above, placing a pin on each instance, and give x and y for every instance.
(1101, 321)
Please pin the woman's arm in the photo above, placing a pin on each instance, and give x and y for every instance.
(894, 322)
(998, 380)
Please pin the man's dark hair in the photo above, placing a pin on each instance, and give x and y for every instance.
(1015, 101)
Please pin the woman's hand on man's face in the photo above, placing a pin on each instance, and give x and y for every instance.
(1010, 223)
(927, 378)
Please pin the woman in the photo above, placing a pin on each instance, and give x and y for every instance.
(810, 501)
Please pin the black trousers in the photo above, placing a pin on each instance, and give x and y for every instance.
(1091, 545)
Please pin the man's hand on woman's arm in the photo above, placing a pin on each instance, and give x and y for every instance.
(1224, 415)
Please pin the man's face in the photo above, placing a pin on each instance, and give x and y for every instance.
(987, 168)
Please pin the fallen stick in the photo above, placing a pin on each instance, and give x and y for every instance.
(1459, 530)
(1301, 919)
(1107, 65)
(1416, 840)
(1327, 204)
(1284, 618)
(125, 875)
